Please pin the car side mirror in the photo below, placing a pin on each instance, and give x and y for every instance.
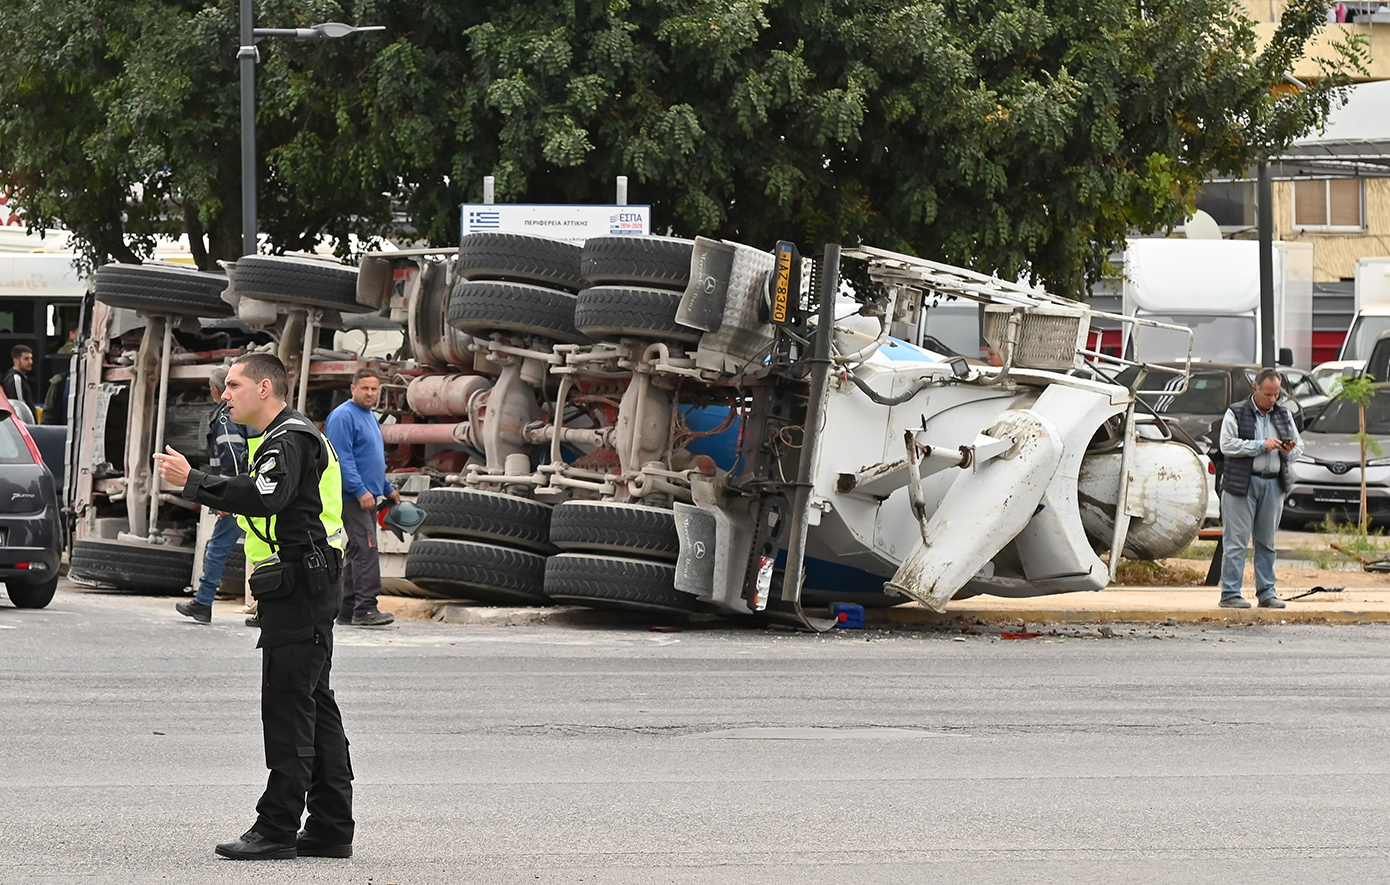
(1286, 356)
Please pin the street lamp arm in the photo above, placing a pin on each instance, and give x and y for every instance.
(248, 56)
(323, 31)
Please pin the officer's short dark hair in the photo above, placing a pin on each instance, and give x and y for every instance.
(366, 372)
(19, 350)
(266, 367)
(1265, 375)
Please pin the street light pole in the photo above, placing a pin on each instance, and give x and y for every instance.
(248, 56)
(1264, 205)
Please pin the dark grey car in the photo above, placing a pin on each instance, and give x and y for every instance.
(30, 528)
(1327, 479)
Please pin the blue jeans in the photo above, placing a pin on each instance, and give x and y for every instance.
(223, 541)
(1242, 516)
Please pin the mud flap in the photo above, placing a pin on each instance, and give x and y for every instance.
(702, 303)
(715, 545)
(962, 535)
(695, 528)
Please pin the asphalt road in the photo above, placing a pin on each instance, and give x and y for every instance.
(129, 745)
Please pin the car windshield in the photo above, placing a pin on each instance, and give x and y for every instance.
(1205, 394)
(1300, 386)
(12, 447)
(1362, 337)
(1330, 379)
(1341, 417)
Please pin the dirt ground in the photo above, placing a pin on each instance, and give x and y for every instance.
(1297, 578)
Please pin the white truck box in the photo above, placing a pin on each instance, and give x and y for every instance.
(1213, 287)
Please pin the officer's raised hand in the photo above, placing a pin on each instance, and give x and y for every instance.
(173, 467)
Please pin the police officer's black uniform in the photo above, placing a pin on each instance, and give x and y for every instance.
(306, 749)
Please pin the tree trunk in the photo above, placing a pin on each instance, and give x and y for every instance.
(1361, 414)
(193, 226)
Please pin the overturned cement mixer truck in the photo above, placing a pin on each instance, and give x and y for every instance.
(675, 425)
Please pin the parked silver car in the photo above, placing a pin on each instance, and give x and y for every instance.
(1327, 479)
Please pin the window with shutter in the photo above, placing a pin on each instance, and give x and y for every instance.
(1327, 203)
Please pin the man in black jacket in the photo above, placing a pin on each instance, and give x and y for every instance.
(290, 504)
(16, 381)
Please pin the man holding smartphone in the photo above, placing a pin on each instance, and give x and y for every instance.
(1259, 442)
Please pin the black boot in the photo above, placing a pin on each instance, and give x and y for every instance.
(308, 846)
(195, 610)
(373, 619)
(253, 846)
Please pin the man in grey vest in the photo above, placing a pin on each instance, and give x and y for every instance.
(1259, 442)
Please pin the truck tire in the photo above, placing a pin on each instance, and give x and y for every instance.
(520, 258)
(133, 566)
(161, 289)
(627, 529)
(32, 595)
(481, 307)
(614, 582)
(472, 515)
(630, 311)
(304, 281)
(483, 572)
(637, 261)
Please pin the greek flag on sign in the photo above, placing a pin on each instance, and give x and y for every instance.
(484, 221)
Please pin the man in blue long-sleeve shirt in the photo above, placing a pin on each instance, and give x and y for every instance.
(353, 430)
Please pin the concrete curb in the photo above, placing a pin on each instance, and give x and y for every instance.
(909, 617)
(1061, 610)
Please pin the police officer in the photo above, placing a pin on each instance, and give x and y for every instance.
(290, 505)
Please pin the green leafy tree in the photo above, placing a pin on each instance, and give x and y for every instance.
(1359, 390)
(1011, 136)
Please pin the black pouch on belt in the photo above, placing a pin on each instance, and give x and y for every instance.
(272, 581)
(316, 569)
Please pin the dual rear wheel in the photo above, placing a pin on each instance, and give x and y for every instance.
(501, 549)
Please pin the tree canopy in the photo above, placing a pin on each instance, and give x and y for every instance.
(1011, 136)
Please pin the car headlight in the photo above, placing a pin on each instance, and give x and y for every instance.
(1378, 462)
(1304, 459)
